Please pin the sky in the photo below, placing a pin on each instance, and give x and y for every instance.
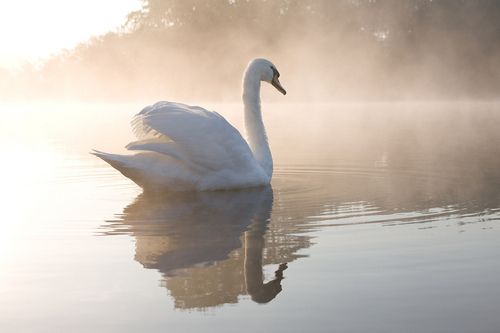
(33, 29)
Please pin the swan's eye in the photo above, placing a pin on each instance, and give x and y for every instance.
(275, 72)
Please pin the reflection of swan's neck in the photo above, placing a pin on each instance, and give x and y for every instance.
(257, 137)
(254, 249)
(254, 278)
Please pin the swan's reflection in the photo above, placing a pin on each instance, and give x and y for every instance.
(211, 246)
(208, 245)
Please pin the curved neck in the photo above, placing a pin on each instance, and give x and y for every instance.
(256, 133)
(254, 244)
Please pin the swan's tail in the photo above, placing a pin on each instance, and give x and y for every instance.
(123, 164)
(150, 170)
(116, 161)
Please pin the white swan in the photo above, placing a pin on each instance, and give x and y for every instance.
(186, 147)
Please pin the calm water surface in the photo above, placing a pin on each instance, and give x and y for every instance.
(380, 218)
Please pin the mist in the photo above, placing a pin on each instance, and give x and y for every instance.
(366, 199)
(360, 50)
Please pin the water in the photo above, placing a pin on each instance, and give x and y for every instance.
(381, 218)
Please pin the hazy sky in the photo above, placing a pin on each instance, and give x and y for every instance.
(31, 29)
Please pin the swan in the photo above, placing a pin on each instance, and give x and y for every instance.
(182, 147)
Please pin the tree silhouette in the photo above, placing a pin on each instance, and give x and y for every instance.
(377, 48)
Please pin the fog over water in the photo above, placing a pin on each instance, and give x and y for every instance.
(375, 212)
(196, 50)
(384, 206)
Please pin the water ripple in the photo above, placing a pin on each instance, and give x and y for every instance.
(350, 195)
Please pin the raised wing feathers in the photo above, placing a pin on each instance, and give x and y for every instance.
(191, 134)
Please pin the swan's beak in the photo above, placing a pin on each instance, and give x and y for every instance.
(276, 83)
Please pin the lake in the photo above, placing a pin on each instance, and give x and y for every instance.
(382, 217)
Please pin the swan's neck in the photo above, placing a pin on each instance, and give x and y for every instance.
(256, 133)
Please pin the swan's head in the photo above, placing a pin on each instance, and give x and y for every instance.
(267, 72)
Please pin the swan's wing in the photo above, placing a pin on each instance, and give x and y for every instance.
(202, 137)
(159, 145)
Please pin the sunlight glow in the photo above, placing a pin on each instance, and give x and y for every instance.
(32, 29)
(24, 185)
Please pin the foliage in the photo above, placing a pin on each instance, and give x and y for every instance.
(376, 49)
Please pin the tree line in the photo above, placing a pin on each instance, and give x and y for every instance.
(344, 49)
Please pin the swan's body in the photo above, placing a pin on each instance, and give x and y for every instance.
(184, 147)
